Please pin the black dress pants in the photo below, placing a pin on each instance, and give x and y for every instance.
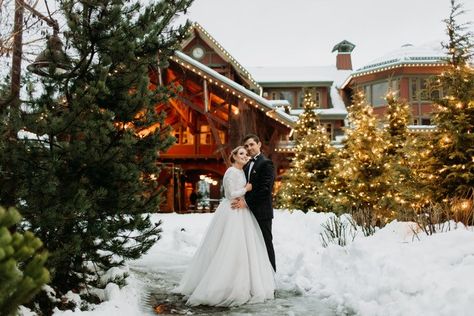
(266, 228)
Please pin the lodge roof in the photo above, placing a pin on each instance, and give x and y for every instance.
(328, 76)
(241, 92)
(322, 75)
(408, 55)
(220, 50)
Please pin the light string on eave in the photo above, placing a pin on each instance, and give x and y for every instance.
(397, 66)
(227, 88)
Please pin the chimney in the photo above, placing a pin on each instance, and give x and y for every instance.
(343, 58)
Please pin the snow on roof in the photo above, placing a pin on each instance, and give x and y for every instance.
(338, 111)
(276, 103)
(299, 74)
(262, 103)
(427, 53)
(305, 75)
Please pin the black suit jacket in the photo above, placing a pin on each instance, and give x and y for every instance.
(262, 178)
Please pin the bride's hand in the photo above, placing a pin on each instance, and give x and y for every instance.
(248, 187)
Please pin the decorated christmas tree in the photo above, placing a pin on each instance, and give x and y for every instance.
(87, 172)
(398, 116)
(406, 156)
(359, 178)
(453, 143)
(302, 186)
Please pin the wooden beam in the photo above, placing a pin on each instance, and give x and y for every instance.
(273, 141)
(219, 106)
(201, 110)
(217, 139)
(181, 113)
(206, 96)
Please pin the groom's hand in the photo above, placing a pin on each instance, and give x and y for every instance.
(238, 203)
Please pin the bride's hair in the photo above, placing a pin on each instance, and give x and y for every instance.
(234, 152)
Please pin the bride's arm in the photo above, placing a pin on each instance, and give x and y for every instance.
(232, 188)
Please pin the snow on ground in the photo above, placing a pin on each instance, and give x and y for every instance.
(392, 272)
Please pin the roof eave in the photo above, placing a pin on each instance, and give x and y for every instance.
(241, 92)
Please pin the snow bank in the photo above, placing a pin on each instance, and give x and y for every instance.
(393, 272)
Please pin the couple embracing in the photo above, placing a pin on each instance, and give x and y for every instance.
(235, 263)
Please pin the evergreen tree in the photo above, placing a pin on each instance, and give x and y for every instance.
(302, 186)
(359, 177)
(22, 271)
(87, 181)
(403, 186)
(398, 116)
(453, 142)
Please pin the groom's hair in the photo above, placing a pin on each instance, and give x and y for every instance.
(253, 136)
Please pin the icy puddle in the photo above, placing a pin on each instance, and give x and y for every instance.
(158, 300)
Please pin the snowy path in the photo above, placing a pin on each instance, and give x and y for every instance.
(158, 282)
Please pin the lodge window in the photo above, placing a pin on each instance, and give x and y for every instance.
(315, 95)
(296, 96)
(375, 93)
(288, 95)
(423, 90)
(329, 130)
(422, 121)
(221, 136)
(379, 91)
(205, 135)
(183, 136)
(327, 127)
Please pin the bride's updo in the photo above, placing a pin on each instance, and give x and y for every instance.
(234, 152)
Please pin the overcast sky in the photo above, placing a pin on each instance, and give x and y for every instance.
(303, 32)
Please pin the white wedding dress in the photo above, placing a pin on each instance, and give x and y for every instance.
(231, 266)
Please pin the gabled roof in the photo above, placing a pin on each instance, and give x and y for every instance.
(231, 86)
(214, 44)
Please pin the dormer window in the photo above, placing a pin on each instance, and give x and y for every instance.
(315, 95)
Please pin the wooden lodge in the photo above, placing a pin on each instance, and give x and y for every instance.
(219, 102)
(215, 108)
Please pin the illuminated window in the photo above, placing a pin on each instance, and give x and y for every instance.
(183, 136)
(205, 135)
(188, 137)
(221, 136)
(329, 130)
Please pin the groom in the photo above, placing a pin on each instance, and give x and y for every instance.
(260, 172)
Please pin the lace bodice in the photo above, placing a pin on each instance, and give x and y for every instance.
(234, 183)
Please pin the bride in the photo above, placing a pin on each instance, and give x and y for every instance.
(231, 266)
